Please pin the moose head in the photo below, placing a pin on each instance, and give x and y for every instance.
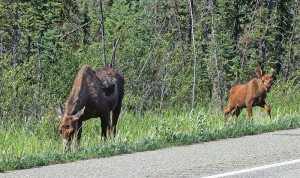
(68, 126)
(266, 81)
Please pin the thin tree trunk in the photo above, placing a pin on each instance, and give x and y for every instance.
(195, 54)
(217, 81)
(262, 55)
(177, 17)
(15, 55)
(163, 85)
(237, 27)
(38, 81)
(113, 56)
(191, 22)
(103, 33)
(16, 39)
(157, 15)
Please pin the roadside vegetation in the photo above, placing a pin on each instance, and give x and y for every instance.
(179, 59)
(37, 144)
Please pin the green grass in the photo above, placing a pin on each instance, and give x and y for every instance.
(26, 145)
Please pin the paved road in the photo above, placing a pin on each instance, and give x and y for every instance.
(274, 154)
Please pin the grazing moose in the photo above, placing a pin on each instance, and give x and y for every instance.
(94, 94)
(250, 94)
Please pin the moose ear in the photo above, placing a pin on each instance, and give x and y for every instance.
(79, 113)
(59, 111)
(258, 72)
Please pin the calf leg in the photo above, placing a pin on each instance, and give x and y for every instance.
(267, 108)
(237, 112)
(115, 117)
(249, 109)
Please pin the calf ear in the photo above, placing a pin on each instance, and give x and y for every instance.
(258, 72)
(79, 113)
(59, 111)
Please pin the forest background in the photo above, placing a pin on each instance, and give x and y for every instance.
(44, 43)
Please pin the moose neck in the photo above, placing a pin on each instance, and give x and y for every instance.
(76, 98)
(261, 88)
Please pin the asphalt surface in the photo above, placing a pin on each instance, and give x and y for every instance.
(241, 155)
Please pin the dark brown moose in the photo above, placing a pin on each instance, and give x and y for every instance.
(94, 94)
(250, 94)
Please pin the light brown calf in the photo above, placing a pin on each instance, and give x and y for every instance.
(250, 94)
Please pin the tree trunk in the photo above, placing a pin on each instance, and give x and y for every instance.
(191, 23)
(16, 39)
(38, 81)
(194, 51)
(262, 55)
(178, 22)
(102, 34)
(217, 91)
(237, 27)
(113, 55)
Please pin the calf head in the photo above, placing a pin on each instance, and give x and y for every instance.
(266, 80)
(68, 126)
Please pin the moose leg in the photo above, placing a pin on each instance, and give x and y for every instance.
(78, 137)
(267, 108)
(104, 125)
(115, 117)
(249, 109)
(237, 112)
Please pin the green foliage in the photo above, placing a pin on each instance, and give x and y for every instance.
(154, 50)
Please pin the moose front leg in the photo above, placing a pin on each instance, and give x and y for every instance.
(78, 135)
(237, 112)
(249, 110)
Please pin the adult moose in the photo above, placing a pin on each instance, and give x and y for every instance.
(94, 94)
(250, 94)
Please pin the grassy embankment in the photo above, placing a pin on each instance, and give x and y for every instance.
(25, 145)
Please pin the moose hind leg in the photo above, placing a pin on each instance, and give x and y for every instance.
(267, 108)
(105, 124)
(115, 117)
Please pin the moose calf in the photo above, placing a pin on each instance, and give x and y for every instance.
(250, 94)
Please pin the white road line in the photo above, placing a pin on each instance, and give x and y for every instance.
(254, 169)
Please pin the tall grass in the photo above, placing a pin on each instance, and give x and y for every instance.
(25, 145)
